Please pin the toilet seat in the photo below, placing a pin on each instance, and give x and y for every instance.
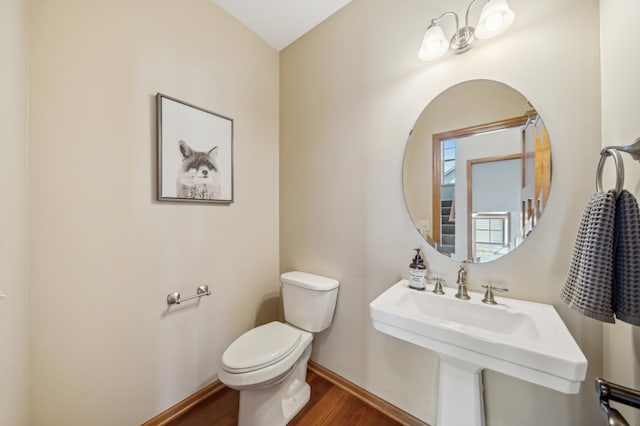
(260, 347)
(270, 371)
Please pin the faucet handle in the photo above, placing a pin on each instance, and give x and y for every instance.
(494, 288)
(488, 295)
(437, 289)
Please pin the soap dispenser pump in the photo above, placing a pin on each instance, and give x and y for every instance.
(417, 272)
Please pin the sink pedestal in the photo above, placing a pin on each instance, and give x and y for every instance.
(460, 400)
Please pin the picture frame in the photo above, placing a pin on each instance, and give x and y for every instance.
(195, 153)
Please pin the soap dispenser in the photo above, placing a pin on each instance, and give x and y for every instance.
(417, 272)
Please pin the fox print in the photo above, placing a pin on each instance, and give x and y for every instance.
(198, 177)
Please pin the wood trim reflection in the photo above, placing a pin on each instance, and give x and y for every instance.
(437, 183)
(437, 140)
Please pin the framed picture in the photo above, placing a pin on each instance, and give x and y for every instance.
(195, 153)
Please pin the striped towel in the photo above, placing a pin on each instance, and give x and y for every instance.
(589, 285)
(626, 287)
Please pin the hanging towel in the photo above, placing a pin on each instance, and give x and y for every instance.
(626, 287)
(589, 285)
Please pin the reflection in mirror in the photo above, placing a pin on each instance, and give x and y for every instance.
(477, 171)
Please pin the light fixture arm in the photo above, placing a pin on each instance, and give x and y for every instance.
(466, 15)
(441, 17)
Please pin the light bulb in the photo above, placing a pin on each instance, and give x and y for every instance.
(496, 17)
(434, 44)
(494, 22)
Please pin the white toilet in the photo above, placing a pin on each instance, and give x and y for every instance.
(268, 364)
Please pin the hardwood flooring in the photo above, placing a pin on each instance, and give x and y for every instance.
(329, 405)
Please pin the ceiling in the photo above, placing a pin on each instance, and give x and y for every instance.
(281, 22)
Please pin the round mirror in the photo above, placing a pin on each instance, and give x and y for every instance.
(477, 171)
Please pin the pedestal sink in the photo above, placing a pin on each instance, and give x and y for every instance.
(523, 339)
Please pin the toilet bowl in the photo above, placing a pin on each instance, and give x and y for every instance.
(268, 364)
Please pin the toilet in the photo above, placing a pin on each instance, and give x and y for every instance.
(268, 364)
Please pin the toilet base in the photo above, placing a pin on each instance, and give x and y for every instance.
(278, 403)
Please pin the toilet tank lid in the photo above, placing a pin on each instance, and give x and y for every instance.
(309, 281)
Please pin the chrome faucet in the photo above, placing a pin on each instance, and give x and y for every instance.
(462, 283)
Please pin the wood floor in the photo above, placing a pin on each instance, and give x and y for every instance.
(329, 405)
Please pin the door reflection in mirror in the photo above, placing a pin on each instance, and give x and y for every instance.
(488, 178)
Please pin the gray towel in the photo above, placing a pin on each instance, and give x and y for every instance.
(589, 285)
(626, 287)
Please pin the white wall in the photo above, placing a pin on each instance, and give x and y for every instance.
(621, 126)
(103, 253)
(350, 92)
(13, 214)
(507, 197)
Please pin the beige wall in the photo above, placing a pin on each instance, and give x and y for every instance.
(350, 92)
(13, 214)
(620, 126)
(103, 253)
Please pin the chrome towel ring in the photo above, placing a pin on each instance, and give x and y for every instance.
(614, 152)
(633, 149)
(617, 159)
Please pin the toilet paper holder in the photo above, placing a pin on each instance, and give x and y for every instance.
(175, 299)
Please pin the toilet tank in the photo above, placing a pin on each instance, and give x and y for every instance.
(309, 300)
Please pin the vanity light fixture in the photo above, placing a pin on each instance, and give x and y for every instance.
(496, 17)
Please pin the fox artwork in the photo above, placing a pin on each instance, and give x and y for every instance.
(198, 177)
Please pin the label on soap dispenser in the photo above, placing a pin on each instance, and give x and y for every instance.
(416, 278)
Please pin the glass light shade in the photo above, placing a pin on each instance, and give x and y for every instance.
(495, 18)
(434, 44)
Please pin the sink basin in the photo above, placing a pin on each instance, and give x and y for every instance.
(522, 339)
(472, 318)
